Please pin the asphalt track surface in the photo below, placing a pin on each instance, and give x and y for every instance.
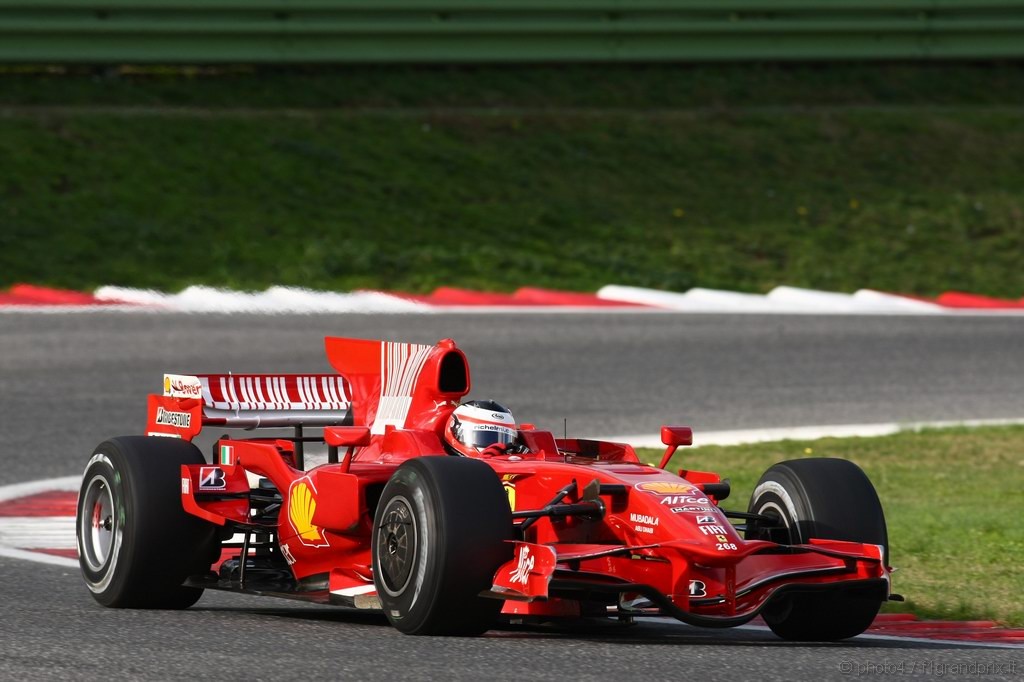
(69, 381)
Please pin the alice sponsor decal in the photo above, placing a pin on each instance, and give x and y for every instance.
(521, 573)
(301, 507)
(179, 386)
(674, 500)
(179, 420)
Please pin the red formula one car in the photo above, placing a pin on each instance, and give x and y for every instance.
(533, 527)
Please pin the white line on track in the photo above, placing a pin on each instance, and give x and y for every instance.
(745, 436)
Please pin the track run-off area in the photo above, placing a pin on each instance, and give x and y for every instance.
(67, 382)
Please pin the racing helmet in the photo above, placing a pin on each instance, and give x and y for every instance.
(477, 424)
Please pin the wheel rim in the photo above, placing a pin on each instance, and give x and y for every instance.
(98, 525)
(781, 533)
(396, 545)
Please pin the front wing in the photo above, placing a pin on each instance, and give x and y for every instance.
(669, 578)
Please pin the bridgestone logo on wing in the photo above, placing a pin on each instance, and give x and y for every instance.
(179, 420)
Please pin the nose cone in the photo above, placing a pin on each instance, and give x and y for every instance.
(666, 510)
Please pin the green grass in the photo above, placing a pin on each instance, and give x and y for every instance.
(953, 501)
(551, 86)
(902, 178)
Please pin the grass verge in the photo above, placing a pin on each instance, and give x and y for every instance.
(953, 499)
(901, 178)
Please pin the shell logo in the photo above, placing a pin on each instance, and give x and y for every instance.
(301, 506)
(666, 488)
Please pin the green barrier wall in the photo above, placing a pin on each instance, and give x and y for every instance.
(296, 31)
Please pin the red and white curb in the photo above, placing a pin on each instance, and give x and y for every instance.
(37, 521)
(280, 299)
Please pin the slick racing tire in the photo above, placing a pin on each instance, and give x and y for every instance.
(136, 544)
(828, 499)
(440, 533)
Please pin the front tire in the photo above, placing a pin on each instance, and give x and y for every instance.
(136, 544)
(828, 499)
(440, 533)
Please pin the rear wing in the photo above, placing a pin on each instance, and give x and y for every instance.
(380, 384)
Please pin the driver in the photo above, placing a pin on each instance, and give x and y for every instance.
(481, 427)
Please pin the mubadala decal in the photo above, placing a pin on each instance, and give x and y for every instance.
(179, 420)
(644, 519)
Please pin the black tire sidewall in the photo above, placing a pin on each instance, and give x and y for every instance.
(160, 543)
(423, 583)
(828, 499)
(462, 523)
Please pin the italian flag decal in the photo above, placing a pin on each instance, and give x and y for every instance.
(227, 454)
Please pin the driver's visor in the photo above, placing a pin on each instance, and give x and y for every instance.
(480, 436)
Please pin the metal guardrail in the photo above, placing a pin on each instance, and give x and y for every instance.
(471, 31)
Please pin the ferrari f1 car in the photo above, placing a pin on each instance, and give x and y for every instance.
(443, 544)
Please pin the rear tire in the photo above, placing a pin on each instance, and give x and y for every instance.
(440, 534)
(136, 544)
(828, 499)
